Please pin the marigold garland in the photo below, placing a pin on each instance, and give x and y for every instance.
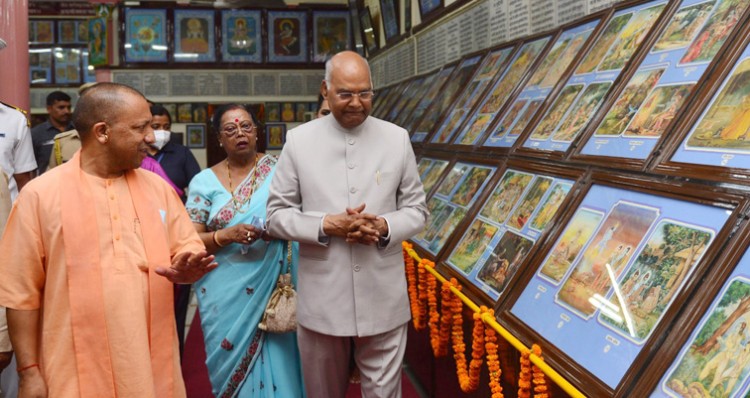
(493, 360)
(538, 378)
(439, 347)
(411, 284)
(422, 293)
(442, 334)
(468, 378)
(524, 376)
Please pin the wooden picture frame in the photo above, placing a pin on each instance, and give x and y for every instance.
(145, 37)
(194, 37)
(275, 135)
(273, 111)
(389, 15)
(41, 32)
(196, 135)
(331, 33)
(369, 36)
(432, 168)
(98, 43)
(708, 141)
(559, 126)
(428, 8)
(287, 35)
(241, 36)
(640, 113)
(569, 283)
(521, 209)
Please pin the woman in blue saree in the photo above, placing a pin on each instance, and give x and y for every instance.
(227, 204)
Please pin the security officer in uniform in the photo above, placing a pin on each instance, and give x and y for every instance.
(66, 144)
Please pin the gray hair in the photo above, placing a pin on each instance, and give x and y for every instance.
(329, 71)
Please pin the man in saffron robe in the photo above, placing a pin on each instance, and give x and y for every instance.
(96, 245)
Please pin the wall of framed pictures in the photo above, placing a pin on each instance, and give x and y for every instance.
(58, 52)
(589, 183)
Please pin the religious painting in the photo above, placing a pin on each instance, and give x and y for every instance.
(630, 38)
(629, 102)
(611, 249)
(194, 36)
(509, 254)
(669, 256)
(558, 67)
(368, 32)
(449, 125)
(581, 112)
(41, 32)
(423, 165)
(549, 207)
(600, 47)
(98, 41)
(300, 109)
(472, 245)
(145, 35)
(196, 135)
(457, 215)
(273, 111)
(508, 119)
(241, 36)
(475, 129)
(287, 36)
(559, 109)
(506, 194)
(658, 110)
(683, 27)
(455, 175)
(330, 34)
(567, 248)
(82, 31)
(716, 360)
(526, 207)
(715, 32)
(439, 212)
(470, 186)
(67, 65)
(200, 113)
(525, 118)
(185, 113)
(275, 135)
(66, 32)
(287, 112)
(433, 173)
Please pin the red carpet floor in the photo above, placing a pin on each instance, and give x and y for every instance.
(196, 374)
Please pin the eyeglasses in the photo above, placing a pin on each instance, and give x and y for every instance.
(348, 95)
(231, 129)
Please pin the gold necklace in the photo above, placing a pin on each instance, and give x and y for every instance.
(235, 203)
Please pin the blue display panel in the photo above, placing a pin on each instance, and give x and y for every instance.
(715, 361)
(585, 91)
(503, 233)
(720, 135)
(613, 273)
(557, 61)
(455, 195)
(501, 91)
(493, 65)
(443, 99)
(665, 79)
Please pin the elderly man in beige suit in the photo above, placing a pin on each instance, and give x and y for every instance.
(347, 188)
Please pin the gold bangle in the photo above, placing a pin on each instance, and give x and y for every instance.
(216, 241)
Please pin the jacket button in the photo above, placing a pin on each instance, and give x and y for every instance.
(353, 190)
(357, 267)
(351, 141)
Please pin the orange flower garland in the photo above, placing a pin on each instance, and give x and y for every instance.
(468, 379)
(493, 361)
(439, 347)
(524, 377)
(440, 343)
(540, 383)
(422, 293)
(411, 283)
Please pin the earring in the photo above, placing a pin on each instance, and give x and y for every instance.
(106, 138)
(221, 145)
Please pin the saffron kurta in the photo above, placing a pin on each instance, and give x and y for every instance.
(37, 278)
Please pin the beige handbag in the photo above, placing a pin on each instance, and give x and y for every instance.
(280, 315)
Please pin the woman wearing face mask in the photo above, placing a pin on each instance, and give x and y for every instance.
(176, 159)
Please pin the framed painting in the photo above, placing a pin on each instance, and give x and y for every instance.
(98, 41)
(664, 82)
(287, 36)
(713, 139)
(513, 218)
(331, 34)
(368, 33)
(82, 31)
(427, 7)
(564, 51)
(184, 113)
(145, 35)
(194, 36)
(273, 111)
(616, 274)
(567, 115)
(389, 15)
(241, 36)
(41, 32)
(453, 199)
(430, 171)
(67, 33)
(428, 96)
(196, 135)
(67, 66)
(477, 124)
(709, 347)
(275, 135)
(40, 65)
(493, 65)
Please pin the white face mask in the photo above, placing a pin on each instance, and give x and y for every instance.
(162, 137)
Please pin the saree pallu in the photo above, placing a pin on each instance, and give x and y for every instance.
(242, 360)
